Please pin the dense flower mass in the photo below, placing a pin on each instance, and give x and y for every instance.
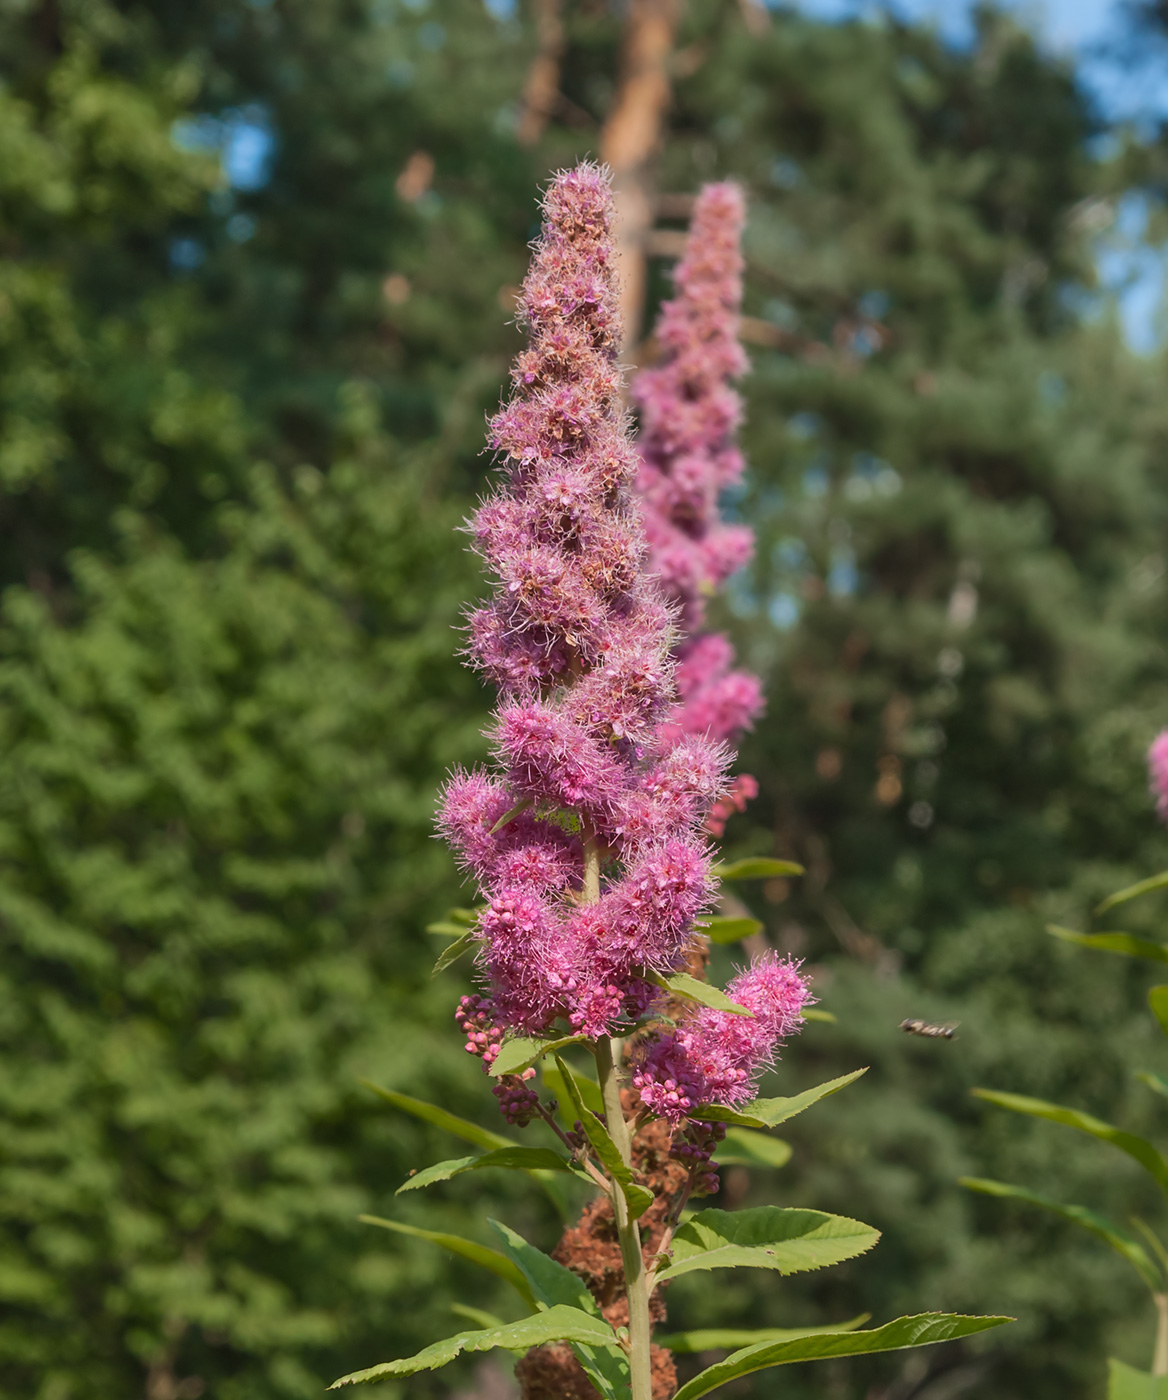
(587, 839)
(717, 1056)
(689, 413)
(579, 642)
(1158, 773)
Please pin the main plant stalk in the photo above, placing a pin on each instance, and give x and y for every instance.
(608, 1059)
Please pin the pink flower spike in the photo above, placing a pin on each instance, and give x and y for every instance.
(1158, 773)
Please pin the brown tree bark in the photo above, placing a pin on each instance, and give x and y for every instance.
(632, 137)
(541, 91)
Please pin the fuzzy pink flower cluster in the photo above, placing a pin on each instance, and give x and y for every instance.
(689, 414)
(1158, 773)
(717, 1056)
(578, 640)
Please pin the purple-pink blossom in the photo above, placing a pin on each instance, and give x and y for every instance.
(1158, 773)
(716, 1057)
(689, 413)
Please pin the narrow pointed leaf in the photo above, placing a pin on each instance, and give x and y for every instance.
(893, 1336)
(1143, 1152)
(767, 1237)
(723, 1338)
(681, 984)
(1153, 882)
(513, 1158)
(519, 1052)
(440, 1118)
(757, 868)
(453, 951)
(446, 930)
(1126, 1383)
(816, 1013)
(588, 1089)
(769, 1113)
(744, 1147)
(551, 1284)
(509, 816)
(478, 1316)
(480, 1254)
(1134, 1252)
(727, 930)
(558, 1324)
(466, 917)
(1153, 1081)
(638, 1197)
(1158, 1001)
(1125, 943)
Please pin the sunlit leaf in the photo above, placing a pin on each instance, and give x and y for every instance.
(1126, 1383)
(1153, 1081)
(757, 868)
(440, 1118)
(551, 1283)
(519, 1052)
(453, 951)
(681, 984)
(1158, 1001)
(893, 1336)
(1125, 943)
(769, 1113)
(767, 1237)
(816, 1013)
(744, 1147)
(446, 930)
(1153, 882)
(480, 1254)
(723, 1338)
(559, 1324)
(727, 930)
(512, 1158)
(638, 1197)
(1123, 1244)
(1136, 1147)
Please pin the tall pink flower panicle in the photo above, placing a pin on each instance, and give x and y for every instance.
(1158, 773)
(689, 414)
(716, 1056)
(578, 640)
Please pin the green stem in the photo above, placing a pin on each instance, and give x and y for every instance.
(608, 1059)
(608, 1056)
(1160, 1359)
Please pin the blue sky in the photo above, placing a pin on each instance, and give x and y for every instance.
(1131, 85)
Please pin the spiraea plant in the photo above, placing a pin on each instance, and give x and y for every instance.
(587, 842)
(1144, 1248)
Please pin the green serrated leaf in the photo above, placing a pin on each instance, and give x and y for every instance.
(478, 1316)
(1126, 1383)
(1158, 1002)
(480, 1254)
(720, 1338)
(1136, 1147)
(744, 1147)
(453, 951)
(440, 1118)
(757, 868)
(769, 1113)
(1153, 882)
(558, 1324)
(681, 984)
(1123, 1244)
(512, 1158)
(638, 1197)
(1125, 943)
(551, 1284)
(893, 1336)
(521, 1051)
(727, 930)
(767, 1237)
